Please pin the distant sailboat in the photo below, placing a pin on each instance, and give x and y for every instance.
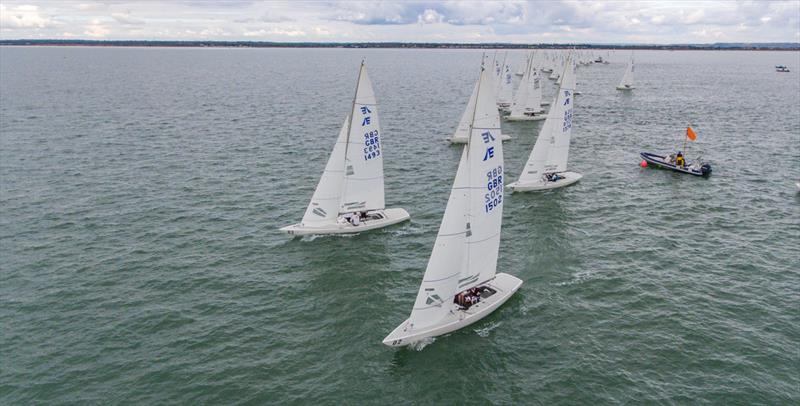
(547, 164)
(461, 135)
(462, 267)
(504, 86)
(527, 104)
(627, 80)
(350, 197)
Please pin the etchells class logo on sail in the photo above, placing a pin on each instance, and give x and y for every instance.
(372, 145)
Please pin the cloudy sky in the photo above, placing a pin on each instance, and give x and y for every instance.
(660, 22)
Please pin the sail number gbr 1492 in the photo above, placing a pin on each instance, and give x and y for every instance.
(494, 187)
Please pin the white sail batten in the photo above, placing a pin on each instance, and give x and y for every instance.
(324, 205)
(465, 251)
(363, 166)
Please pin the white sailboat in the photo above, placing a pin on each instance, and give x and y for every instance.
(461, 135)
(463, 263)
(527, 104)
(350, 197)
(504, 85)
(627, 79)
(547, 164)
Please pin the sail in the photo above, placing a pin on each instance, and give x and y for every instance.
(324, 205)
(363, 182)
(519, 103)
(551, 150)
(505, 86)
(465, 251)
(627, 78)
(463, 125)
(562, 122)
(534, 101)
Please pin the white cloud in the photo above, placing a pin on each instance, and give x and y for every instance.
(23, 16)
(127, 19)
(430, 16)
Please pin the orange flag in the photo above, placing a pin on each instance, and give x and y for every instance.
(690, 134)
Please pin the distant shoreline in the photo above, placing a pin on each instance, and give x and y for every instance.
(783, 46)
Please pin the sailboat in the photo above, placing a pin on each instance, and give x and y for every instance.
(349, 197)
(504, 86)
(461, 135)
(627, 80)
(547, 164)
(528, 98)
(461, 285)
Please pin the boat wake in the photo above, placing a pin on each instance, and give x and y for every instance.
(419, 345)
(484, 332)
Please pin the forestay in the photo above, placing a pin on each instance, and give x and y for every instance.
(363, 181)
(465, 252)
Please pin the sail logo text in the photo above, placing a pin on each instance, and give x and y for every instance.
(487, 136)
(494, 186)
(567, 121)
(489, 153)
(372, 145)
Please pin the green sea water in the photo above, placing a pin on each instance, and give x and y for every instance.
(140, 263)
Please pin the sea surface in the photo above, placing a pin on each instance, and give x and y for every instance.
(141, 190)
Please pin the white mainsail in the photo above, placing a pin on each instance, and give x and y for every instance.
(465, 251)
(627, 78)
(324, 205)
(363, 182)
(551, 151)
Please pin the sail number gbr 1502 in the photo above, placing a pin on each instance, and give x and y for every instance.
(494, 187)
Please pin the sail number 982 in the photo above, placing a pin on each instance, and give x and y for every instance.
(494, 187)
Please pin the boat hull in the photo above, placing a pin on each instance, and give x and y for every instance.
(625, 87)
(505, 285)
(463, 140)
(660, 162)
(391, 216)
(539, 116)
(569, 178)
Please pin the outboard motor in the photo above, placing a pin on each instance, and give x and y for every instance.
(705, 169)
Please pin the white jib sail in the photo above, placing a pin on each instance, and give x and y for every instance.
(551, 150)
(324, 205)
(363, 181)
(519, 104)
(627, 78)
(465, 251)
(463, 124)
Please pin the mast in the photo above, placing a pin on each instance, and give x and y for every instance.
(352, 114)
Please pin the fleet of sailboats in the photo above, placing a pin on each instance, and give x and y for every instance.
(460, 285)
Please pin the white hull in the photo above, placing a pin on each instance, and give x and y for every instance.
(503, 283)
(625, 88)
(538, 116)
(463, 140)
(569, 178)
(390, 216)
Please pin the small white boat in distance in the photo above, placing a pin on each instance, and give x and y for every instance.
(461, 135)
(350, 195)
(627, 79)
(781, 68)
(547, 164)
(460, 285)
